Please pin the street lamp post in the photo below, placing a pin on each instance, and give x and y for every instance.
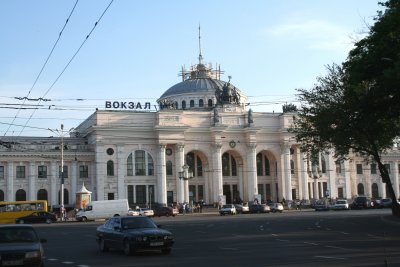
(185, 174)
(61, 134)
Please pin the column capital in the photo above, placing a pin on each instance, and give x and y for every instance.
(162, 146)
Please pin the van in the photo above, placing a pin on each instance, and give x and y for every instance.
(103, 209)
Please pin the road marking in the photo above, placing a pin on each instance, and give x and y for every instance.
(67, 262)
(309, 243)
(83, 265)
(344, 233)
(326, 257)
(334, 247)
(274, 234)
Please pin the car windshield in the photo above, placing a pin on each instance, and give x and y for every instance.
(341, 202)
(10, 235)
(136, 223)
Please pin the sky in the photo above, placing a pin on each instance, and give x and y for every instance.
(54, 71)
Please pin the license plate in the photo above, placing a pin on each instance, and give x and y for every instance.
(156, 244)
(13, 263)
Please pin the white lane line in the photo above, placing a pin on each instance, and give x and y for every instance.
(309, 243)
(274, 234)
(52, 259)
(83, 265)
(327, 257)
(344, 233)
(68, 262)
(334, 247)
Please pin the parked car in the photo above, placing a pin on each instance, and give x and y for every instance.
(385, 203)
(361, 202)
(132, 234)
(227, 209)
(275, 207)
(165, 211)
(259, 208)
(38, 217)
(340, 204)
(242, 208)
(145, 212)
(132, 212)
(20, 245)
(321, 206)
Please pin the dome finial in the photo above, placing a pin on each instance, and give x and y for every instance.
(200, 54)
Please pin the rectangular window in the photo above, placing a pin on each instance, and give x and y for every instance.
(398, 167)
(359, 169)
(373, 168)
(261, 191)
(1, 172)
(140, 163)
(20, 172)
(338, 167)
(110, 196)
(65, 172)
(130, 195)
(387, 166)
(201, 192)
(42, 171)
(141, 194)
(340, 192)
(268, 192)
(83, 171)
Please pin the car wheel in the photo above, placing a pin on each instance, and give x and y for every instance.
(128, 250)
(84, 219)
(21, 222)
(102, 245)
(48, 221)
(166, 251)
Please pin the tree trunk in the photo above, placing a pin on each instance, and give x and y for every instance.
(386, 179)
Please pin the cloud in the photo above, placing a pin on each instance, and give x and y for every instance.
(315, 34)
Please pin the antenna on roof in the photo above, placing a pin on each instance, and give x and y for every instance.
(200, 55)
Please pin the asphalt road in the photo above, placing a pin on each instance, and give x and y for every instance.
(307, 238)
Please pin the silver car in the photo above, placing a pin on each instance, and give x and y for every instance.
(276, 207)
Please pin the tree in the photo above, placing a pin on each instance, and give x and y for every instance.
(355, 108)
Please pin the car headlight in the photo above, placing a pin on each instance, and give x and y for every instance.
(32, 254)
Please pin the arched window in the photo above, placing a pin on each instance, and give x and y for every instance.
(110, 168)
(375, 191)
(20, 195)
(66, 197)
(323, 164)
(168, 167)
(42, 194)
(1, 195)
(195, 164)
(360, 189)
(139, 163)
(210, 103)
(201, 103)
(291, 166)
(228, 165)
(183, 104)
(267, 166)
(259, 164)
(192, 103)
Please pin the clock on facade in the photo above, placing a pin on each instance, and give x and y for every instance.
(232, 144)
(168, 151)
(110, 151)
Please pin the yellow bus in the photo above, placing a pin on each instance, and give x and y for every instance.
(10, 210)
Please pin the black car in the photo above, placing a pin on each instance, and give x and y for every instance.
(165, 211)
(259, 208)
(361, 202)
(132, 234)
(20, 246)
(38, 217)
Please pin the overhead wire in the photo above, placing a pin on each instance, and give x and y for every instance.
(44, 65)
(66, 66)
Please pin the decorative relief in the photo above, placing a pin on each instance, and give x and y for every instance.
(230, 121)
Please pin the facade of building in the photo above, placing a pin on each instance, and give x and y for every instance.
(202, 144)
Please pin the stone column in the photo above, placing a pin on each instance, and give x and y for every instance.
(217, 172)
(395, 178)
(241, 182)
(74, 181)
(101, 172)
(346, 175)
(180, 161)
(331, 171)
(161, 176)
(252, 188)
(304, 176)
(120, 168)
(32, 181)
(10, 195)
(299, 173)
(287, 177)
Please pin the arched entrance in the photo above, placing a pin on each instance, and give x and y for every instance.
(20, 195)
(232, 184)
(197, 162)
(267, 176)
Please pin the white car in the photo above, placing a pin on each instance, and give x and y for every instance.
(227, 209)
(132, 212)
(340, 204)
(276, 207)
(145, 212)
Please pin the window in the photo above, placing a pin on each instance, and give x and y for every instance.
(323, 165)
(291, 166)
(263, 166)
(210, 103)
(387, 166)
(140, 194)
(83, 171)
(340, 192)
(267, 166)
(1, 172)
(42, 171)
(374, 190)
(176, 105)
(360, 189)
(373, 168)
(259, 164)
(42, 194)
(228, 165)
(20, 195)
(65, 172)
(201, 103)
(192, 103)
(183, 104)
(110, 168)
(338, 167)
(20, 172)
(168, 167)
(1, 195)
(199, 166)
(359, 169)
(144, 164)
